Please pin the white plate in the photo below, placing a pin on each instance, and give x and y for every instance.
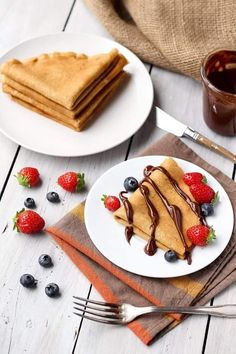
(120, 119)
(109, 238)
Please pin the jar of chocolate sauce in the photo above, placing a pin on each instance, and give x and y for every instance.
(218, 72)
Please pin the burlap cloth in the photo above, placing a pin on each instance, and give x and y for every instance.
(173, 34)
(118, 285)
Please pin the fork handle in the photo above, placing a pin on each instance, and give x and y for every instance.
(218, 311)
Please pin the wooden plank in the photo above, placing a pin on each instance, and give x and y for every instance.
(25, 19)
(44, 321)
(57, 334)
(21, 19)
(184, 339)
(25, 315)
(221, 335)
(83, 21)
(8, 150)
(214, 343)
(5, 7)
(53, 330)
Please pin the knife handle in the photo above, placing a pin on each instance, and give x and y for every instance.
(201, 139)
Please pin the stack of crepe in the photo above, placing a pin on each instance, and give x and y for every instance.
(166, 235)
(67, 87)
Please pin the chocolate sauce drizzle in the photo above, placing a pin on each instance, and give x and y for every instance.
(151, 246)
(173, 210)
(193, 205)
(129, 231)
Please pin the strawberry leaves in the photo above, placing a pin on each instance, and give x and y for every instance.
(80, 182)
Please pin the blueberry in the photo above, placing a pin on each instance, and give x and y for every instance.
(207, 209)
(45, 260)
(29, 203)
(28, 281)
(53, 197)
(170, 256)
(52, 290)
(130, 184)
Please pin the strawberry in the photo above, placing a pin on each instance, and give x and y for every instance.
(72, 181)
(194, 178)
(28, 176)
(201, 235)
(28, 222)
(111, 202)
(203, 193)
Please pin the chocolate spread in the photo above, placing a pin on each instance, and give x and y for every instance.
(218, 73)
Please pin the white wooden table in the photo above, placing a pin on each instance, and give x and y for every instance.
(34, 323)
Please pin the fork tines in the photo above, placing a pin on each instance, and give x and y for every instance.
(105, 312)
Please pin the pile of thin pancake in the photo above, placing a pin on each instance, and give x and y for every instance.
(67, 87)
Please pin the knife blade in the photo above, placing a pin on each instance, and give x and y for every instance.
(172, 125)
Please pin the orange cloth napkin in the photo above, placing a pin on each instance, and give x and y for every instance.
(118, 285)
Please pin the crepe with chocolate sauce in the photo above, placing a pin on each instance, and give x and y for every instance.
(167, 236)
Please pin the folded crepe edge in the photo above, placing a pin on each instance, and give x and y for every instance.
(66, 101)
(4, 66)
(32, 95)
(86, 116)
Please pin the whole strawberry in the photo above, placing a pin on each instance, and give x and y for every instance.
(111, 202)
(201, 235)
(72, 181)
(28, 222)
(28, 176)
(190, 178)
(203, 193)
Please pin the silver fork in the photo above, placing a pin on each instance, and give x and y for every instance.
(111, 313)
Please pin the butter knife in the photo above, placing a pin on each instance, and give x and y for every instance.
(172, 125)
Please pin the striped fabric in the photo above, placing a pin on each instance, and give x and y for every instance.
(118, 285)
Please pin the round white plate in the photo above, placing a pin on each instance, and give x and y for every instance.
(120, 119)
(109, 237)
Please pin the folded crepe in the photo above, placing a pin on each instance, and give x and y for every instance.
(67, 87)
(85, 98)
(60, 77)
(83, 118)
(167, 236)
